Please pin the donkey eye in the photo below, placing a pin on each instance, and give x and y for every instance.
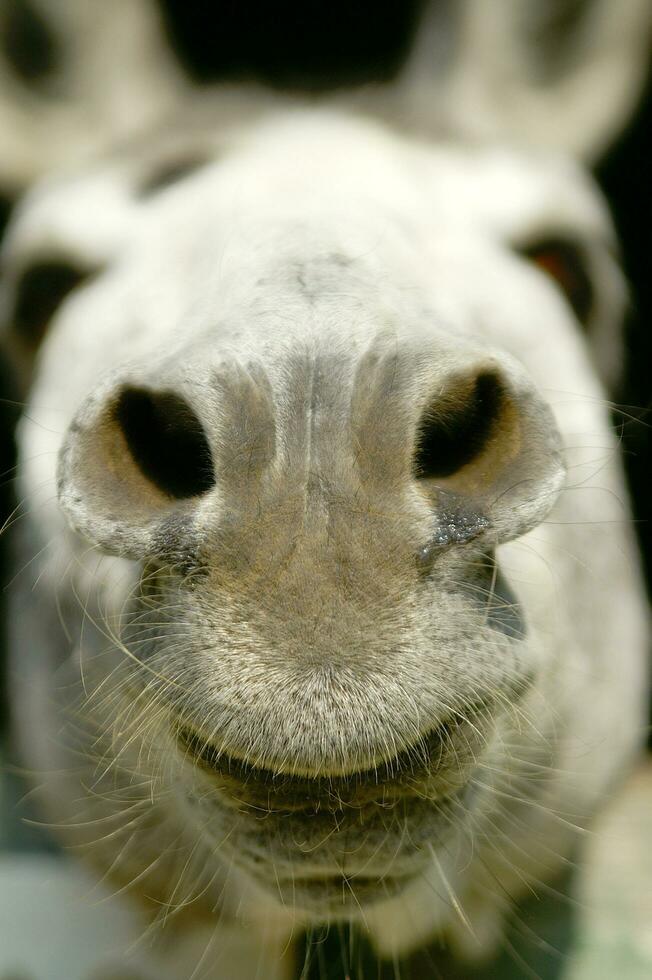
(40, 292)
(565, 262)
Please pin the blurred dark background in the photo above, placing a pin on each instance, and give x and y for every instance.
(314, 46)
(624, 176)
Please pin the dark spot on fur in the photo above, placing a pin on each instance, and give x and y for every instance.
(456, 523)
(300, 274)
(6, 204)
(176, 546)
(168, 173)
(27, 42)
(339, 259)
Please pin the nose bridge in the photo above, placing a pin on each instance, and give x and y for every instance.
(313, 405)
(383, 409)
(347, 413)
(240, 414)
(300, 507)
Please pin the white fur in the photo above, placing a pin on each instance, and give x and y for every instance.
(233, 266)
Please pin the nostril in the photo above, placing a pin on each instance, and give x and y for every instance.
(457, 426)
(166, 441)
(487, 454)
(133, 458)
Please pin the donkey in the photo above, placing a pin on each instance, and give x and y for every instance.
(332, 611)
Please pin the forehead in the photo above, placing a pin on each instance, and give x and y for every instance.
(297, 173)
(322, 174)
(289, 221)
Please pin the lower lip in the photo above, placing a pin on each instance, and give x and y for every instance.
(343, 889)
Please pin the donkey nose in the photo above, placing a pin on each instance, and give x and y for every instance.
(166, 440)
(483, 447)
(488, 450)
(477, 441)
(133, 454)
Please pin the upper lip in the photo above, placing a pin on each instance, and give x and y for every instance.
(383, 785)
(337, 879)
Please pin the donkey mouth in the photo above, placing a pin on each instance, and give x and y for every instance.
(279, 793)
(328, 893)
(437, 759)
